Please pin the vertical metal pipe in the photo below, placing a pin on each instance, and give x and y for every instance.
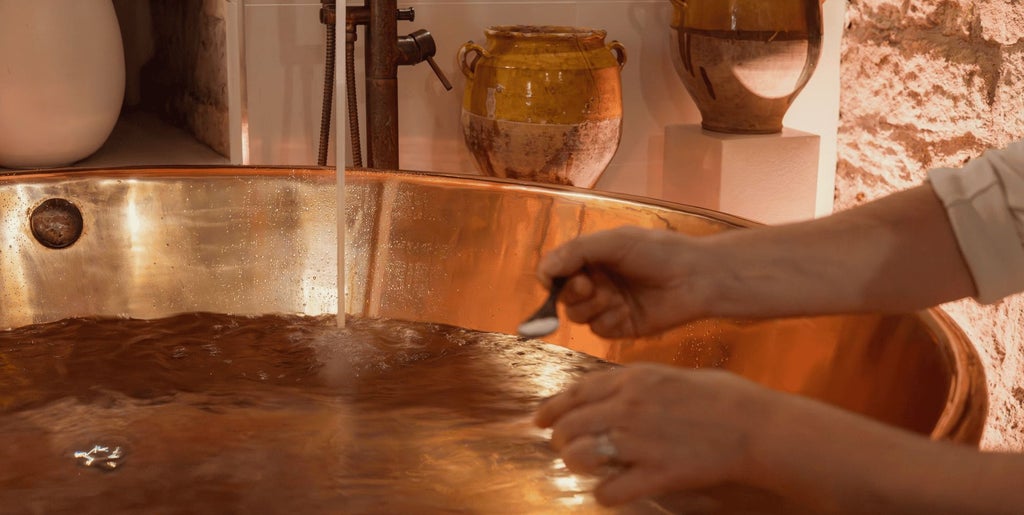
(326, 109)
(382, 85)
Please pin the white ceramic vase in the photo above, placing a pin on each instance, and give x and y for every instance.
(61, 80)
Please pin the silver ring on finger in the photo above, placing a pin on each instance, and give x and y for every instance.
(609, 452)
(606, 448)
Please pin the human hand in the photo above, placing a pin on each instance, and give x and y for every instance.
(707, 438)
(659, 429)
(629, 281)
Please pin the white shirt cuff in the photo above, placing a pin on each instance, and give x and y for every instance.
(985, 204)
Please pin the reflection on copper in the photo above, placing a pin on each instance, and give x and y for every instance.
(570, 484)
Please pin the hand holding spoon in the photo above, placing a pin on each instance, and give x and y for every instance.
(545, 320)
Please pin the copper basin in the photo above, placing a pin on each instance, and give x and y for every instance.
(438, 248)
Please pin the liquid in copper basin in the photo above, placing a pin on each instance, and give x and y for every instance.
(204, 413)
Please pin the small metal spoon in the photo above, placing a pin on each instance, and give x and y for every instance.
(545, 320)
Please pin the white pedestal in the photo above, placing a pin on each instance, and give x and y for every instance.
(770, 178)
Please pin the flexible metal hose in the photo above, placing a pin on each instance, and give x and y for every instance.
(350, 90)
(325, 111)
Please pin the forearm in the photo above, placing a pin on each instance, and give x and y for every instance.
(944, 478)
(846, 464)
(895, 254)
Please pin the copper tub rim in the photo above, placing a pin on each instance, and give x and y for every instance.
(328, 172)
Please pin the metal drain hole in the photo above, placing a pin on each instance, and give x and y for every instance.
(56, 223)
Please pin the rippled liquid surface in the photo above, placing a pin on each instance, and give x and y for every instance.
(205, 413)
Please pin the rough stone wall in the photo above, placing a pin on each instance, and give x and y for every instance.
(186, 81)
(933, 83)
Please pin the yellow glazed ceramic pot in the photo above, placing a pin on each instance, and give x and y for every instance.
(745, 61)
(543, 104)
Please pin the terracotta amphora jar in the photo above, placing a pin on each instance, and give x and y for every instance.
(543, 103)
(745, 61)
(62, 80)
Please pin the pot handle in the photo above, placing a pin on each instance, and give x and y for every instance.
(469, 69)
(620, 52)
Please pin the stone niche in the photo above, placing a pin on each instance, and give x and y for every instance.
(175, 54)
(934, 83)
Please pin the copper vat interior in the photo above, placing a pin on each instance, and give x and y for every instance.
(438, 248)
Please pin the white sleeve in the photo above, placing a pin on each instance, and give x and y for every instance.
(985, 203)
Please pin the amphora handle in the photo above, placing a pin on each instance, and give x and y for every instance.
(620, 52)
(469, 68)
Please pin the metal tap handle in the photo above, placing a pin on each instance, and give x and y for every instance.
(440, 74)
(418, 47)
(406, 14)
